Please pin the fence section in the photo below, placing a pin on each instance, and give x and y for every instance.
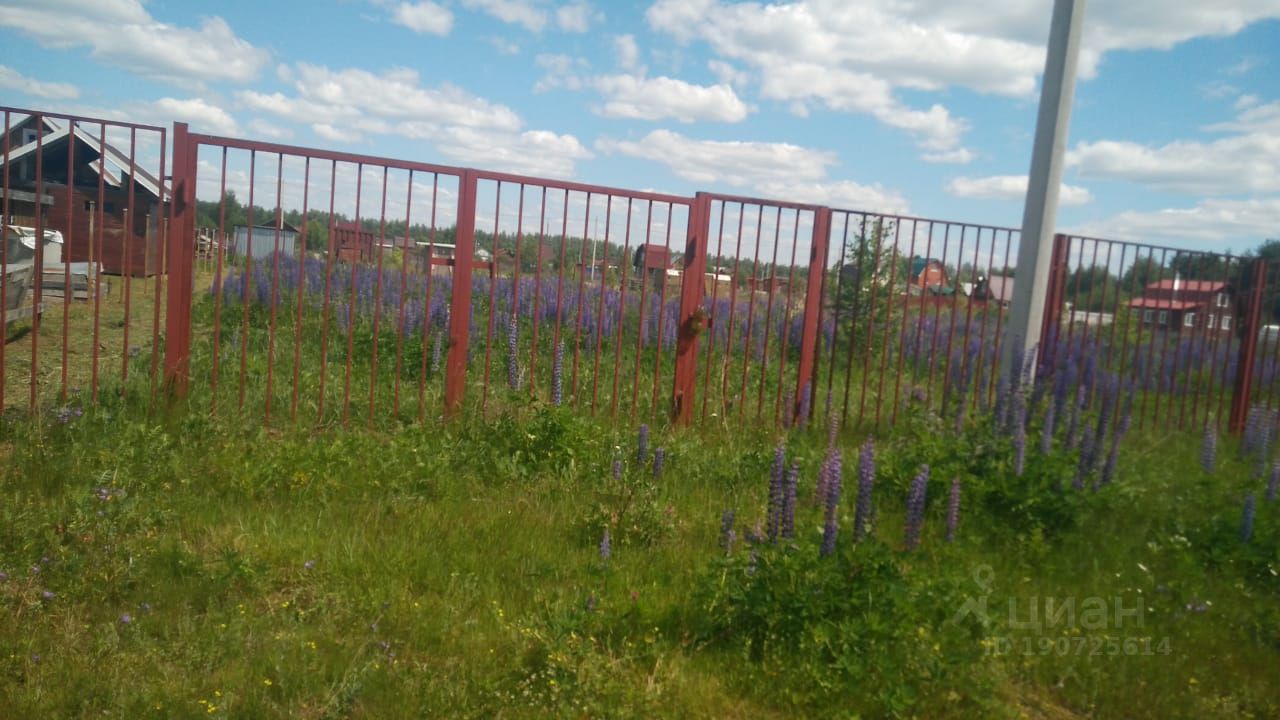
(82, 260)
(326, 284)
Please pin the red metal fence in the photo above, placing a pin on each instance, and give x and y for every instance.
(318, 282)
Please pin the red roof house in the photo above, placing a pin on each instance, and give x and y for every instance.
(1186, 305)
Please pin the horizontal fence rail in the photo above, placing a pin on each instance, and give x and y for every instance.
(327, 286)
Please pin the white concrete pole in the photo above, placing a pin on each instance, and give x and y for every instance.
(1026, 312)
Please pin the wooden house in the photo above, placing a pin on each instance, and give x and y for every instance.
(104, 193)
(1187, 306)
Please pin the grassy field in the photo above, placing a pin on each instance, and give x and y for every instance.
(170, 564)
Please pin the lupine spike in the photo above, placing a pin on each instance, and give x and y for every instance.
(831, 526)
(436, 347)
(659, 458)
(789, 502)
(1273, 485)
(776, 481)
(805, 402)
(726, 530)
(513, 350)
(617, 468)
(953, 510)
(606, 546)
(916, 500)
(642, 445)
(557, 375)
(1019, 435)
(1209, 448)
(1247, 517)
(866, 483)
(1046, 432)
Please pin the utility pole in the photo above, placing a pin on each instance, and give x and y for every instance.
(1026, 311)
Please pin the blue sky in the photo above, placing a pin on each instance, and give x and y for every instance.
(917, 106)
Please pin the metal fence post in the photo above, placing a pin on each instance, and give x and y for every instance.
(1055, 298)
(692, 316)
(1243, 386)
(180, 262)
(455, 370)
(807, 370)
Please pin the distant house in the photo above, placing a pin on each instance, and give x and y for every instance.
(1186, 305)
(353, 243)
(926, 273)
(996, 289)
(768, 286)
(264, 241)
(127, 215)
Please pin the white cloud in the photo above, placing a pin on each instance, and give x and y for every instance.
(1011, 187)
(729, 74)
(331, 133)
(512, 12)
(629, 96)
(364, 99)
(201, 115)
(853, 57)
(532, 152)
(561, 71)
(11, 79)
(576, 17)
(262, 128)
(959, 156)
(626, 51)
(425, 17)
(123, 33)
(775, 169)
(1248, 160)
(1213, 221)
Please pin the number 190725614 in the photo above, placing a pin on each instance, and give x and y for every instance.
(1085, 645)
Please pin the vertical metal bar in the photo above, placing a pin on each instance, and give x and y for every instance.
(835, 320)
(924, 311)
(644, 286)
(537, 295)
(455, 381)
(38, 280)
(493, 309)
(770, 280)
(784, 333)
(1248, 348)
(404, 292)
(806, 368)
(377, 299)
(1151, 347)
(979, 397)
(951, 330)
(301, 281)
(695, 265)
(582, 278)
(163, 268)
(4, 270)
(248, 278)
(999, 338)
(936, 301)
(66, 259)
(275, 285)
(711, 322)
(622, 310)
(426, 300)
(889, 291)
(1137, 340)
(328, 285)
(604, 260)
(733, 308)
(564, 239)
(906, 310)
(662, 311)
(217, 283)
(357, 229)
(751, 308)
(178, 261)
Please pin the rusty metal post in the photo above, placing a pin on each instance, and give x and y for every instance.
(807, 370)
(455, 378)
(692, 316)
(1055, 297)
(1248, 349)
(181, 265)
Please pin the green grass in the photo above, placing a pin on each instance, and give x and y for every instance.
(429, 570)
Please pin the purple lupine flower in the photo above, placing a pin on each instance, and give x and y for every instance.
(1272, 485)
(606, 546)
(436, 347)
(1019, 437)
(1246, 520)
(126, 619)
(806, 402)
(659, 457)
(1073, 420)
(727, 534)
(1085, 467)
(1046, 432)
(1209, 447)
(866, 482)
(831, 526)
(513, 350)
(557, 375)
(642, 445)
(4, 576)
(755, 535)
(617, 468)
(48, 594)
(833, 424)
(1113, 457)
(789, 502)
(953, 510)
(776, 491)
(915, 507)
